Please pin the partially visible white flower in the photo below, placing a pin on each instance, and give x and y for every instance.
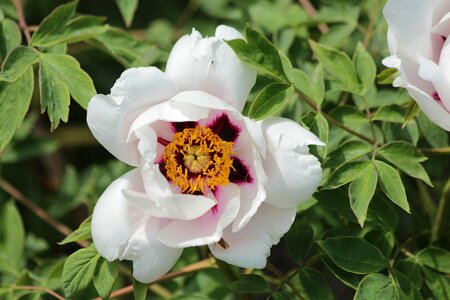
(206, 175)
(418, 41)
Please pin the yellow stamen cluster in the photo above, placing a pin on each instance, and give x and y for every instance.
(198, 158)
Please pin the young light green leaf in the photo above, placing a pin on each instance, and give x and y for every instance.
(15, 98)
(18, 62)
(68, 70)
(126, 49)
(314, 285)
(79, 270)
(82, 233)
(299, 239)
(347, 152)
(104, 276)
(435, 258)
(387, 76)
(140, 290)
(338, 65)
(365, 68)
(62, 27)
(127, 9)
(407, 158)
(271, 99)
(12, 240)
(361, 192)
(392, 184)
(354, 254)
(377, 287)
(259, 52)
(251, 283)
(346, 174)
(10, 37)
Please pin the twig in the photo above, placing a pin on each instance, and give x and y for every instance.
(41, 213)
(440, 213)
(332, 120)
(445, 150)
(371, 26)
(286, 280)
(311, 11)
(38, 288)
(203, 264)
(22, 23)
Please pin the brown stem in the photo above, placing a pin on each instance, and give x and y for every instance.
(38, 288)
(311, 11)
(445, 150)
(41, 213)
(22, 23)
(286, 280)
(203, 264)
(371, 26)
(331, 120)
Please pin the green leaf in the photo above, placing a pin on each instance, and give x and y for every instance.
(392, 184)
(15, 98)
(346, 153)
(377, 287)
(271, 99)
(127, 9)
(361, 192)
(337, 201)
(17, 63)
(126, 49)
(407, 158)
(438, 284)
(318, 125)
(411, 112)
(10, 37)
(349, 279)
(68, 70)
(82, 233)
(55, 97)
(390, 113)
(313, 87)
(314, 285)
(412, 269)
(62, 27)
(354, 254)
(259, 52)
(250, 283)
(338, 65)
(382, 239)
(436, 136)
(104, 276)
(79, 270)
(435, 258)
(365, 68)
(140, 290)
(12, 239)
(387, 76)
(299, 239)
(349, 116)
(408, 291)
(346, 174)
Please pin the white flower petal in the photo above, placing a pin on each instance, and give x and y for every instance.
(109, 117)
(160, 201)
(151, 259)
(443, 27)
(293, 173)
(227, 33)
(114, 221)
(209, 65)
(250, 247)
(208, 228)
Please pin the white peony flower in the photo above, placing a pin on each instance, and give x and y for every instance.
(206, 175)
(418, 41)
